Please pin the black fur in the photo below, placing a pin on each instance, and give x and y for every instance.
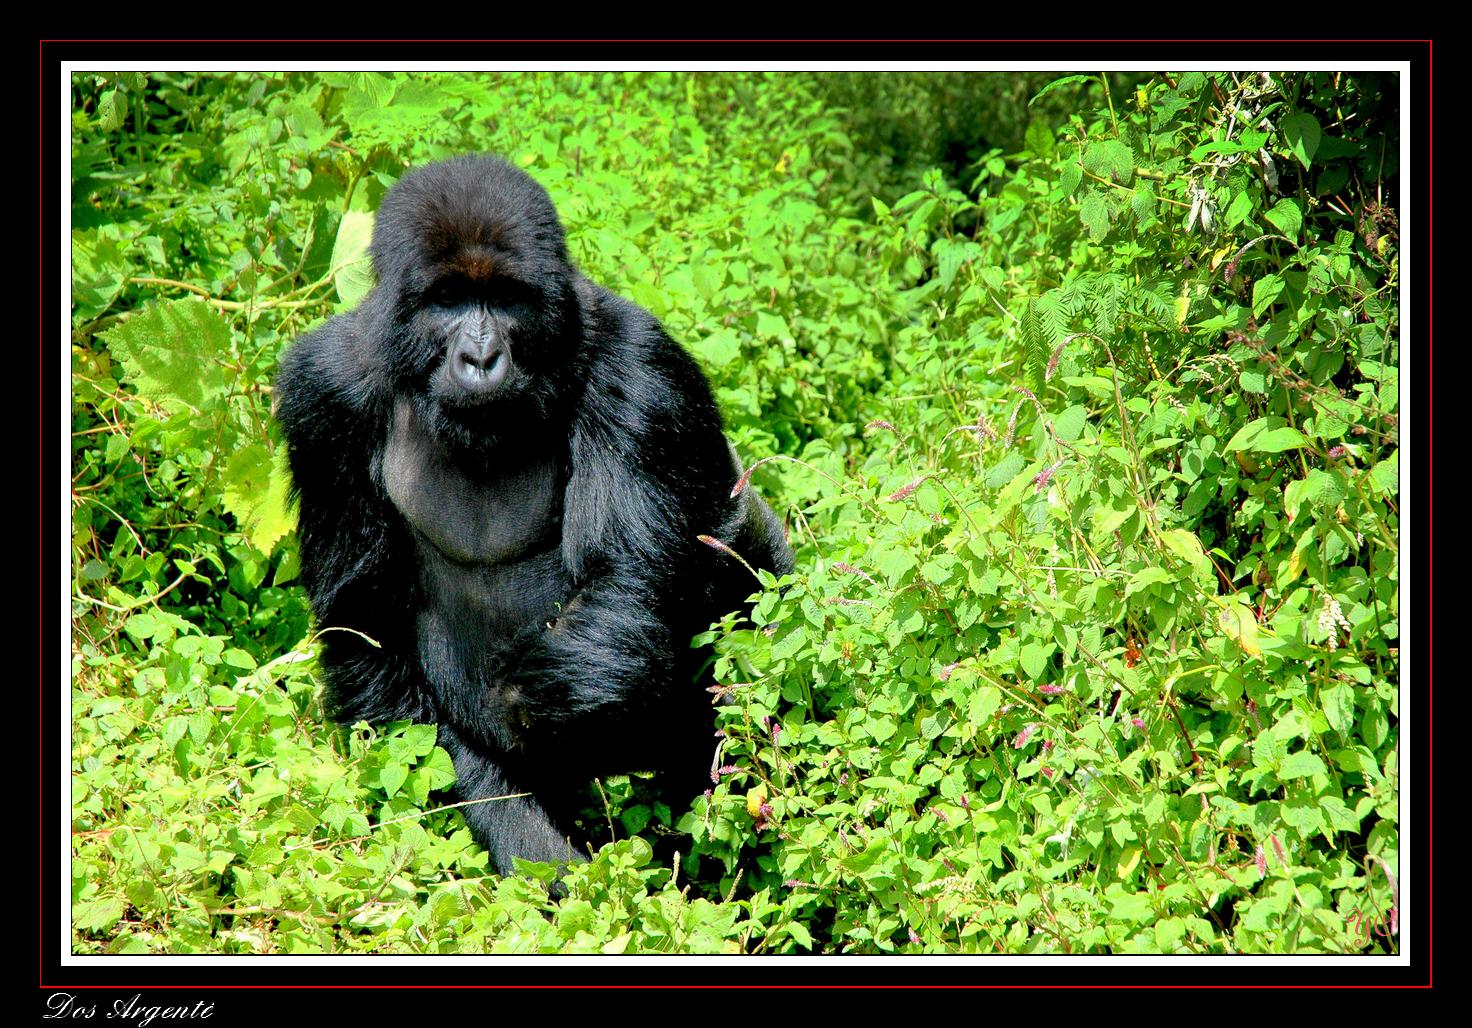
(502, 469)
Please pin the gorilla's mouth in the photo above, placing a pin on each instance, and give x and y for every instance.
(477, 420)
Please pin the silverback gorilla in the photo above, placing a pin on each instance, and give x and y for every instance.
(502, 470)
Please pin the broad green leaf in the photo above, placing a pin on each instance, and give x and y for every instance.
(257, 487)
(1185, 545)
(1267, 435)
(1147, 577)
(1238, 210)
(1301, 134)
(1070, 424)
(1264, 291)
(1240, 625)
(174, 352)
(1385, 475)
(1039, 139)
(1094, 213)
(1319, 489)
(1300, 765)
(1338, 703)
(1034, 659)
(1110, 159)
(1108, 519)
(392, 777)
(352, 264)
(1286, 216)
(718, 349)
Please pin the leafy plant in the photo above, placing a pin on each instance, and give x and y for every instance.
(1085, 430)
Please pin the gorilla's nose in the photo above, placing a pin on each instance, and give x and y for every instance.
(479, 366)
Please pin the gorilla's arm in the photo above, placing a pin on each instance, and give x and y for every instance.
(356, 558)
(509, 822)
(650, 470)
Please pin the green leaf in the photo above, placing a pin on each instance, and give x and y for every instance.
(1338, 703)
(1226, 147)
(799, 933)
(1301, 134)
(1070, 424)
(1094, 213)
(97, 915)
(1339, 816)
(238, 658)
(391, 777)
(257, 488)
(1034, 659)
(352, 264)
(718, 349)
(174, 352)
(1238, 210)
(1070, 177)
(952, 255)
(1286, 216)
(1108, 519)
(1039, 139)
(1240, 625)
(1300, 765)
(1185, 545)
(1142, 203)
(1147, 577)
(985, 702)
(1267, 435)
(1264, 291)
(112, 108)
(439, 768)
(1385, 475)
(1268, 750)
(1321, 489)
(1110, 159)
(866, 858)
(1066, 80)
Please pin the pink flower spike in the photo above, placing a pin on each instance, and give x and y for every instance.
(742, 482)
(1042, 478)
(1261, 860)
(716, 544)
(1137, 722)
(1050, 690)
(905, 490)
(1024, 735)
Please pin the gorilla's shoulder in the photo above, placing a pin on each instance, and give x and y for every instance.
(636, 368)
(336, 364)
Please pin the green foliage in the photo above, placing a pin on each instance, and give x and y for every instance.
(1083, 415)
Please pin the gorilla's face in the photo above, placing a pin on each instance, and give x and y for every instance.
(480, 299)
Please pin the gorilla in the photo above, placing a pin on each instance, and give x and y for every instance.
(502, 472)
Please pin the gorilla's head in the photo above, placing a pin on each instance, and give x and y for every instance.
(475, 303)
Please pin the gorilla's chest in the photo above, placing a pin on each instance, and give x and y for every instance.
(473, 517)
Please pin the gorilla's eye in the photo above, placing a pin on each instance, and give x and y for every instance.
(447, 294)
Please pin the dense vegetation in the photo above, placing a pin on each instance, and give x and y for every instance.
(1079, 398)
